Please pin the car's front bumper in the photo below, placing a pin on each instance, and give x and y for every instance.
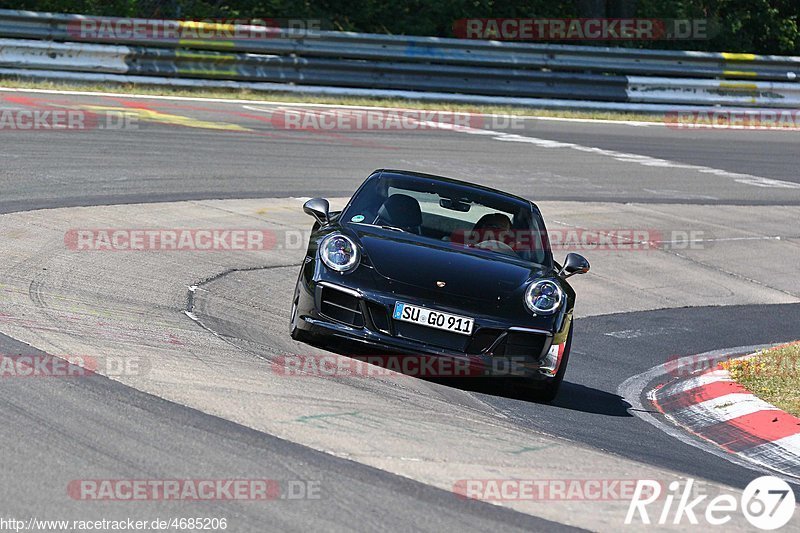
(363, 319)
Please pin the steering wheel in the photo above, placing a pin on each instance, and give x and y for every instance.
(496, 246)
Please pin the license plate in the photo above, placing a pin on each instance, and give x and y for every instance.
(432, 319)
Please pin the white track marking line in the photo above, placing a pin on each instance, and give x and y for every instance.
(637, 123)
(648, 161)
(645, 160)
(259, 109)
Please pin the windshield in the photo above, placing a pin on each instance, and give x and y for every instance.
(451, 213)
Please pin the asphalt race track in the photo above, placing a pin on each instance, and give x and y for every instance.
(119, 432)
(589, 411)
(265, 161)
(210, 325)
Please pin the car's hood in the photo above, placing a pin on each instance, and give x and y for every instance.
(465, 273)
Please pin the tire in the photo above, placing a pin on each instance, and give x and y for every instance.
(295, 332)
(548, 392)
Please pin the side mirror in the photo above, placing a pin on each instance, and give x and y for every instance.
(317, 208)
(574, 264)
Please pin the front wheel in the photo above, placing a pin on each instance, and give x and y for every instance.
(295, 332)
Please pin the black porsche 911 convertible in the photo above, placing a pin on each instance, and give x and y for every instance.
(420, 264)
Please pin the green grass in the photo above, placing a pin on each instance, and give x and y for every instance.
(243, 94)
(772, 375)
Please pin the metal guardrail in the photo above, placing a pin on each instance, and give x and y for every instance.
(52, 42)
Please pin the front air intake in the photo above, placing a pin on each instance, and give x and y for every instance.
(341, 307)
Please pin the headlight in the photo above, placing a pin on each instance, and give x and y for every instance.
(544, 297)
(339, 253)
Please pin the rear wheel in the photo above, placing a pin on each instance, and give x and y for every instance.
(548, 391)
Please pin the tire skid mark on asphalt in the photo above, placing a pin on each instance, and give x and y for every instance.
(198, 285)
(448, 394)
(636, 333)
